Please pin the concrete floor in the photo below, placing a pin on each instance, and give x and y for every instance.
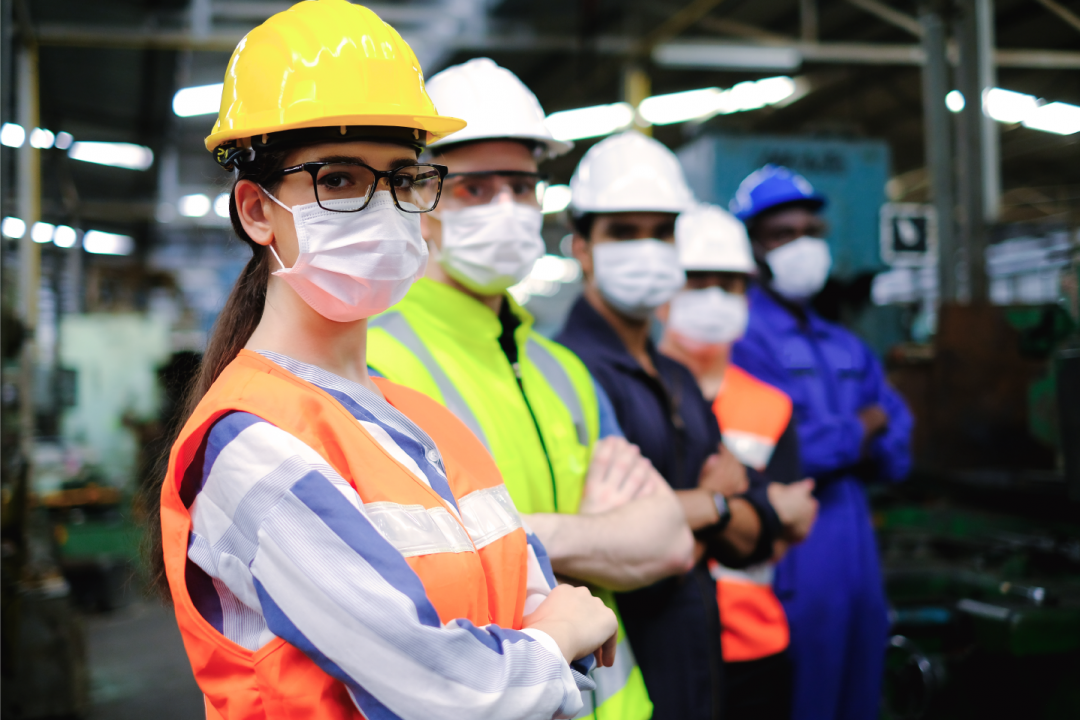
(138, 667)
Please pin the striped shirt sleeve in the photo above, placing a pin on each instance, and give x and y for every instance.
(289, 538)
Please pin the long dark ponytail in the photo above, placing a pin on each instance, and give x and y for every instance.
(238, 319)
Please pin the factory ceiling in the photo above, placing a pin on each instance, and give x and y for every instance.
(109, 70)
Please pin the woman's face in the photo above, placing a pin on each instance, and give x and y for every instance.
(266, 221)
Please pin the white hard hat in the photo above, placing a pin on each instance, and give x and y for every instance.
(629, 172)
(709, 238)
(494, 103)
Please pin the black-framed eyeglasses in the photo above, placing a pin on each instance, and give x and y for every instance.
(338, 185)
(481, 187)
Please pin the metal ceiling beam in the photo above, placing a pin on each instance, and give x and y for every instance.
(52, 35)
(1062, 12)
(727, 26)
(894, 17)
(257, 12)
(678, 22)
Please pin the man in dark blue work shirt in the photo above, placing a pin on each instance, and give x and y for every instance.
(852, 427)
(626, 194)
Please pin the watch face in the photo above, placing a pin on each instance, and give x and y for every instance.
(721, 505)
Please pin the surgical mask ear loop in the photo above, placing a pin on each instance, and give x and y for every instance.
(288, 210)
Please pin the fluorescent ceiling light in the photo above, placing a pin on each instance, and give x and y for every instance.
(221, 205)
(193, 206)
(63, 141)
(1056, 117)
(774, 89)
(41, 138)
(725, 55)
(65, 236)
(680, 107)
(201, 100)
(104, 243)
(13, 227)
(1007, 106)
(12, 135)
(556, 199)
(42, 232)
(704, 103)
(753, 95)
(123, 155)
(590, 122)
(955, 101)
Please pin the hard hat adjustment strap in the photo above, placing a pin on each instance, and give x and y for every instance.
(409, 137)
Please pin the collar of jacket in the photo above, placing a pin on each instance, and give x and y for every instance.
(782, 318)
(591, 328)
(460, 314)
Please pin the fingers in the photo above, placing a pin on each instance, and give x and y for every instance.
(607, 650)
(617, 474)
(601, 457)
(639, 475)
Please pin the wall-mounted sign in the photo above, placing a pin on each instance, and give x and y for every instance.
(908, 234)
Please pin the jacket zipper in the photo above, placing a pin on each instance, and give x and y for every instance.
(540, 435)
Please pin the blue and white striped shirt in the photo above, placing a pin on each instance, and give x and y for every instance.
(282, 546)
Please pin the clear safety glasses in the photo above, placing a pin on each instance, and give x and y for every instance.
(480, 188)
(415, 188)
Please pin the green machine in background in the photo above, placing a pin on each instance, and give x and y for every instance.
(981, 547)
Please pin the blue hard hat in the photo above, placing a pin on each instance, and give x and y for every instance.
(770, 186)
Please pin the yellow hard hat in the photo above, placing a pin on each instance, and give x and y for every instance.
(324, 64)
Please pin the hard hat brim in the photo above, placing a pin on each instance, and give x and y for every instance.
(436, 126)
(815, 201)
(554, 148)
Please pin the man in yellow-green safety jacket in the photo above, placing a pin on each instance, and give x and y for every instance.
(602, 512)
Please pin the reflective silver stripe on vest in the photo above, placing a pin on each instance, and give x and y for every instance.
(557, 377)
(416, 530)
(400, 329)
(489, 514)
(760, 574)
(749, 448)
(609, 681)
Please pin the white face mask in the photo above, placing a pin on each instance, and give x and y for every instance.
(354, 265)
(710, 316)
(800, 268)
(488, 248)
(637, 276)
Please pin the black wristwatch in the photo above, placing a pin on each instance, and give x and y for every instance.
(723, 511)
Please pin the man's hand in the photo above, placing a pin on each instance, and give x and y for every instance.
(796, 507)
(874, 419)
(723, 474)
(618, 473)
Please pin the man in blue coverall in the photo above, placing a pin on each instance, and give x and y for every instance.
(853, 427)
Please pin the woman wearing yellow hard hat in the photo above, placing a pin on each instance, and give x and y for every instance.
(335, 545)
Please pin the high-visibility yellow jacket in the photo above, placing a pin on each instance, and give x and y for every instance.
(539, 418)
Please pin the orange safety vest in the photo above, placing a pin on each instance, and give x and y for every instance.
(278, 680)
(752, 416)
